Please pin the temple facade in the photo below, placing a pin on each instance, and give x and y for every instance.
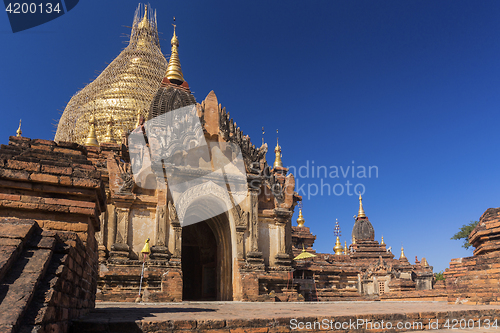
(182, 177)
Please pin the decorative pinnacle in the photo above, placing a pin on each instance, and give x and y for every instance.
(19, 132)
(300, 219)
(338, 247)
(345, 247)
(174, 25)
(382, 243)
(337, 231)
(263, 132)
(402, 253)
(361, 212)
(144, 22)
(91, 137)
(109, 131)
(277, 153)
(174, 71)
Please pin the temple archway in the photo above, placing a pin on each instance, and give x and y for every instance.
(207, 252)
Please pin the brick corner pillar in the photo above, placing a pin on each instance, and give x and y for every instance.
(474, 280)
(56, 185)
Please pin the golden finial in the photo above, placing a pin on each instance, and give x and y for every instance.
(382, 243)
(338, 247)
(19, 132)
(424, 263)
(144, 22)
(353, 239)
(345, 247)
(174, 72)
(337, 232)
(402, 253)
(138, 123)
(277, 152)
(300, 219)
(91, 137)
(361, 212)
(109, 131)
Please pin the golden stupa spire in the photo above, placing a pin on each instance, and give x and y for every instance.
(174, 72)
(402, 253)
(129, 83)
(19, 132)
(91, 137)
(144, 22)
(277, 152)
(338, 246)
(144, 36)
(109, 131)
(345, 247)
(382, 242)
(361, 212)
(300, 219)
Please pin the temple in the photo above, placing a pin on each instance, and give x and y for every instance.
(161, 155)
(364, 270)
(214, 239)
(137, 159)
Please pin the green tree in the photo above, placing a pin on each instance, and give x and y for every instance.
(439, 276)
(465, 232)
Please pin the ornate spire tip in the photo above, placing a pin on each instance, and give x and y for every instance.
(19, 132)
(277, 153)
(174, 71)
(361, 212)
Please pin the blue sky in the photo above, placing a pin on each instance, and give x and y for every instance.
(410, 87)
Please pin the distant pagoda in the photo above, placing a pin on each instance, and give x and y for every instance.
(122, 92)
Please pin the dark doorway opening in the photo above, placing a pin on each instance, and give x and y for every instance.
(199, 263)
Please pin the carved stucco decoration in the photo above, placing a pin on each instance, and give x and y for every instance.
(200, 191)
(230, 132)
(381, 268)
(172, 213)
(174, 133)
(241, 217)
(128, 183)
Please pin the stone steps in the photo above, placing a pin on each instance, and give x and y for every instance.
(12, 241)
(24, 268)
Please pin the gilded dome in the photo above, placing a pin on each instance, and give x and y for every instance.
(127, 86)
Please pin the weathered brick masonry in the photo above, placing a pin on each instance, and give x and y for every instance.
(476, 279)
(50, 199)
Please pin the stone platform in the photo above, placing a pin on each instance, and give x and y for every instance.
(285, 317)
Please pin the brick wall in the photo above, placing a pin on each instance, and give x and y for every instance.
(476, 279)
(54, 189)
